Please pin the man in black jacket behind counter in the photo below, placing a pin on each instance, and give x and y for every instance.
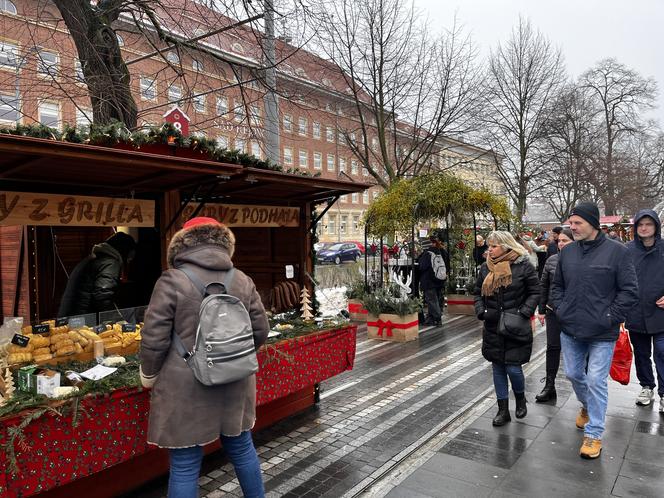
(94, 282)
(594, 288)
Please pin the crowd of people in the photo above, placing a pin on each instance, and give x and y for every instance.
(589, 284)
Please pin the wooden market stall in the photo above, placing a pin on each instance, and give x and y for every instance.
(57, 199)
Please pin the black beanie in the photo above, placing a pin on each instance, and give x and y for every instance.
(122, 242)
(588, 211)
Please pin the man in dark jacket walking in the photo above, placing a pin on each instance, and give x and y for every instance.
(95, 280)
(594, 288)
(432, 287)
(552, 248)
(645, 321)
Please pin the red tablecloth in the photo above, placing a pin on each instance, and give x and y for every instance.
(112, 429)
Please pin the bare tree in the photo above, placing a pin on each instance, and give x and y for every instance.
(524, 77)
(620, 94)
(406, 89)
(569, 142)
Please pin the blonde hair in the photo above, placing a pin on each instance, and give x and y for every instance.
(506, 241)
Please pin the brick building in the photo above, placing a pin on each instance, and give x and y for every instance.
(216, 81)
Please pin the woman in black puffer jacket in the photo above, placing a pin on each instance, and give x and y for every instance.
(552, 325)
(507, 281)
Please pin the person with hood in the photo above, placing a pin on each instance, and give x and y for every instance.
(94, 282)
(507, 282)
(645, 321)
(185, 415)
(564, 237)
(432, 287)
(593, 289)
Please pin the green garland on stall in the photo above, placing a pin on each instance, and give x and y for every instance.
(166, 134)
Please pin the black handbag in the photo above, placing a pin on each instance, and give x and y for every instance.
(514, 326)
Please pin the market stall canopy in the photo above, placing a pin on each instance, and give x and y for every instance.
(48, 166)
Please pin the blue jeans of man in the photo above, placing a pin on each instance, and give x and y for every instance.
(643, 346)
(591, 386)
(433, 298)
(501, 372)
(186, 467)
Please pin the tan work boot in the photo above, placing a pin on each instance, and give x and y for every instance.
(582, 418)
(591, 448)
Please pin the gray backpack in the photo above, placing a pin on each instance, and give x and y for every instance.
(224, 349)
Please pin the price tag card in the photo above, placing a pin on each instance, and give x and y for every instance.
(20, 340)
(76, 322)
(99, 329)
(61, 322)
(42, 328)
(129, 327)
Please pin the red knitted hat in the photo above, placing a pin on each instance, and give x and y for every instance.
(200, 220)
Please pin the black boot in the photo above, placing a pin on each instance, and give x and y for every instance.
(521, 409)
(503, 415)
(549, 391)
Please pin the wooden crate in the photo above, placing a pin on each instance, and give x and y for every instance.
(388, 327)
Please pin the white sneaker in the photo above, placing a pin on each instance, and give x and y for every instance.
(645, 396)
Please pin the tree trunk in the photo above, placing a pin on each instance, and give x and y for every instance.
(105, 71)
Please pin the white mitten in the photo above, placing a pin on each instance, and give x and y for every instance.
(147, 381)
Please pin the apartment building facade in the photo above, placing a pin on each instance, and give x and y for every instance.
(216, 81)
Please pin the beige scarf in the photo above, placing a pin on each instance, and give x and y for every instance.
(500, 273)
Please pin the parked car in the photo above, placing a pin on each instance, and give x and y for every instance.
(322, 245)
(342, 251)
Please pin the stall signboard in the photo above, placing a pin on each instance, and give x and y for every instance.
(25, 208)
(246, 215)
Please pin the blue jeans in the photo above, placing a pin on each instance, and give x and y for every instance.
(186, 467)
(515, 374)
(591, 387)
(643, 345)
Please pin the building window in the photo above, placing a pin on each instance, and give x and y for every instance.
(374, 143)
(352, 137)
(288, 156)
(341, 139)
(343, 223)
(302, 126)
(365, 197)
(344, 198)
(78, 71)
(332, 225)
(329, 134)
(172, 57)
(83, 118)
(199, 103)
(222, 141)
(238, 111)
(374, 194)
(197, 65)
(10, 108)
(288, 122)
(365, 171)
(353, 167)
(255, 115)
(304, 159)
(330, 162)
(342, 165)
(354, 197)
(356, 223)
(148, 89)
(240, 144)
(174, 93)
(318, 160)
(8, 55)
(49, 114)
(255, 149)
(47, 64)
(237, 48)
(316, 130)
(222, 106)
(7, 6)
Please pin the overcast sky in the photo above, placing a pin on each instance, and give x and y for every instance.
(585, 30)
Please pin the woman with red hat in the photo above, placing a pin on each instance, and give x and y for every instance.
(185, 415)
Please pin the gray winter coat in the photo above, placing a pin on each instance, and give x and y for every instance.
(184, 412)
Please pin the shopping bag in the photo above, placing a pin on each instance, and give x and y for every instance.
(621, 365)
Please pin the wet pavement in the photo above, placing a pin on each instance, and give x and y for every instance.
(414, 419)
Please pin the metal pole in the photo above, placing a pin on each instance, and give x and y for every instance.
(380, 259)
(366, 255)
(272, 149)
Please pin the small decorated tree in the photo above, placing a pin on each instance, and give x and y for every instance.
(8, 389)
(306, 308)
